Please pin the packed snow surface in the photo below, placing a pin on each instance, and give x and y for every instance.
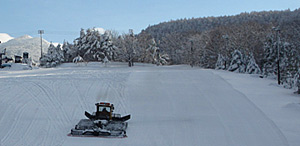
(170, 105)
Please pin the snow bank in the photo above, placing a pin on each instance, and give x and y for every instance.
(278, 103)
(17, 67)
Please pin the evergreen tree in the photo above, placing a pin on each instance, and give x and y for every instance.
(155, 55)
(151, 55)
(163, 59)
(79, 43)
(107, 47)
(54, 56)
(289, 65)
(143, 53)
(252, 67)
(297, 81)
(238, 63)
(69, 52)
(270, 57)
(93, 46)
(221, 62)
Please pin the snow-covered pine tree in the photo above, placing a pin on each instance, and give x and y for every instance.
(151, 52)
(69, 51)
(54, 56)
(155, 55)
(164, 59)
(289, 65)
(79, 43)
(252, 67)
(238, 63)
(220, 62)
(107, 48)
(289, 61)
(161, 58)
(270, 57)
(142, 52)
(297, 81)
(92, 46)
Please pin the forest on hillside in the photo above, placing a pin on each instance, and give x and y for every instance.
(244, 43)
(221, 35)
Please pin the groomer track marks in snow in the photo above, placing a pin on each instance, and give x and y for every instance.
(173, 105)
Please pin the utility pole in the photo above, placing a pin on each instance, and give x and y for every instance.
(41, 32)
(131, 54)
(278, 53)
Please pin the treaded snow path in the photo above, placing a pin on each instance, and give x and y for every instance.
(169, 106)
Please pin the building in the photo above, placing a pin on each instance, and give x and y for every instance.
(18, 59)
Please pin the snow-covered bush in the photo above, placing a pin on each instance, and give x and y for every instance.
(79, 60)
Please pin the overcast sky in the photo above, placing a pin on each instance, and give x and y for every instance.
(62, 19)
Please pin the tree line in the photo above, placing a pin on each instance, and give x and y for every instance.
(91, 45)
(245, 43)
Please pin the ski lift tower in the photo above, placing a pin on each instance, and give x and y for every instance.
(41, 32)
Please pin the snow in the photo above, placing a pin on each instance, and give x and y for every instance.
(169, 105)
(24, 37)
(4, 37)
(279, 104)
(25, 43)
(17, 67)
(100, 30)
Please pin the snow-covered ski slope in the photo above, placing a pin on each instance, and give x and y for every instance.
(171, 105)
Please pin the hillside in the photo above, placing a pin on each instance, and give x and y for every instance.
(25, 44)
(5, 37)
(200, 41)
(207, 23)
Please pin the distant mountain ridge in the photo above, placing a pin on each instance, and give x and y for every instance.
(4, 37)
(207, 23)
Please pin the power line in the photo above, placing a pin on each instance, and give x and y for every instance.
(49, 32)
